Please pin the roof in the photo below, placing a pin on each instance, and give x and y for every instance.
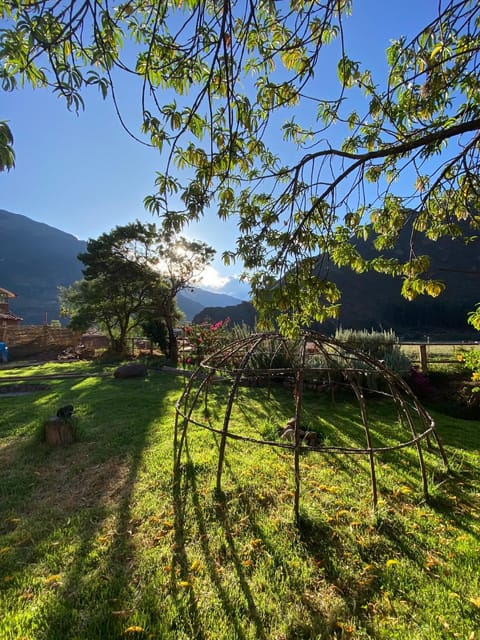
(8, 293)
(9, 316)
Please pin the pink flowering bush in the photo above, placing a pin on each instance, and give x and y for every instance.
(204, 339)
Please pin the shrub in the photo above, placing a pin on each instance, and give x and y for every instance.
(380, 345)
(204, 339)
(471, 361)
(375, 343)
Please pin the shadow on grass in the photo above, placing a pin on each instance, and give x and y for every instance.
(79, 499)
(388, 535)
(185, 487)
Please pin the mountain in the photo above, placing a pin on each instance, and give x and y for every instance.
(192, 301)
(373, 301)
(243, 313)
(35, 259)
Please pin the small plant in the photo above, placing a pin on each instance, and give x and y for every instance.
(471, 361)
(375, 343)
(419, 382)
(204, 339)
(269, 429)
(382, 345)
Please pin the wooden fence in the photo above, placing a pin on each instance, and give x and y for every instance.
(30, 340)
(427, 353)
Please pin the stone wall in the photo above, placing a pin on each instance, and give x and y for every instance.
(30, 340)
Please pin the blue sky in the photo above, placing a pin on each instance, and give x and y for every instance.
(84, 175)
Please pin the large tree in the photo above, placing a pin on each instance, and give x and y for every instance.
(181, 263)
(119, 283)
(132, 276)
(218, 80)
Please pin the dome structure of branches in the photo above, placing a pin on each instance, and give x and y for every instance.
(325, 369)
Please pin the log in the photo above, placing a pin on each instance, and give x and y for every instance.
(58, 431)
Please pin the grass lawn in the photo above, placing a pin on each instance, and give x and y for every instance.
(98, 540)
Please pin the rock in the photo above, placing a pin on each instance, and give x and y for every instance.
(58, 431)
(131, 370)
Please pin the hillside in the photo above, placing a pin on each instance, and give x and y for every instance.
(35, 259)
(374, 301)
(243, 313)
(193, 301)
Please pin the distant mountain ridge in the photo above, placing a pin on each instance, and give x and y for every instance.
(35, 259)
(193, 300)
(373, 301)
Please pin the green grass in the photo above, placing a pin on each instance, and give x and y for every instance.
(101, 540)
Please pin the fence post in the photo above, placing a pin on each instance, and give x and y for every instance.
(423, 357)
(45, 336)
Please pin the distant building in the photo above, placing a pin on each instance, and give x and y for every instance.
(7, 318)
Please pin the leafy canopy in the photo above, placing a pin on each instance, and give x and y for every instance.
(129, 280)
(118, 285)
(217, 81)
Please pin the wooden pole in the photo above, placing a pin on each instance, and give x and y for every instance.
(423, 357)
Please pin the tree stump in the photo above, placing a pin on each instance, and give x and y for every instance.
(58, 431)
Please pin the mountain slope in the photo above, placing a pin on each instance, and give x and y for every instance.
(193, 301)
(35, 259)
(373, 301)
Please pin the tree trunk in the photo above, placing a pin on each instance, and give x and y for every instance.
(58, 431)
(172, 343)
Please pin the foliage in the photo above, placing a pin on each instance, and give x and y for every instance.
(7, 155)
(132, 277)
(375, 343)
(214, 82)
(97, 542)
(474, 317)
(380, 345)
(270, 354)
(181, 262)
(119, 282)
(241, 331)
(471, 360)
(156, 330)
(397, 361)
(204, 339)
